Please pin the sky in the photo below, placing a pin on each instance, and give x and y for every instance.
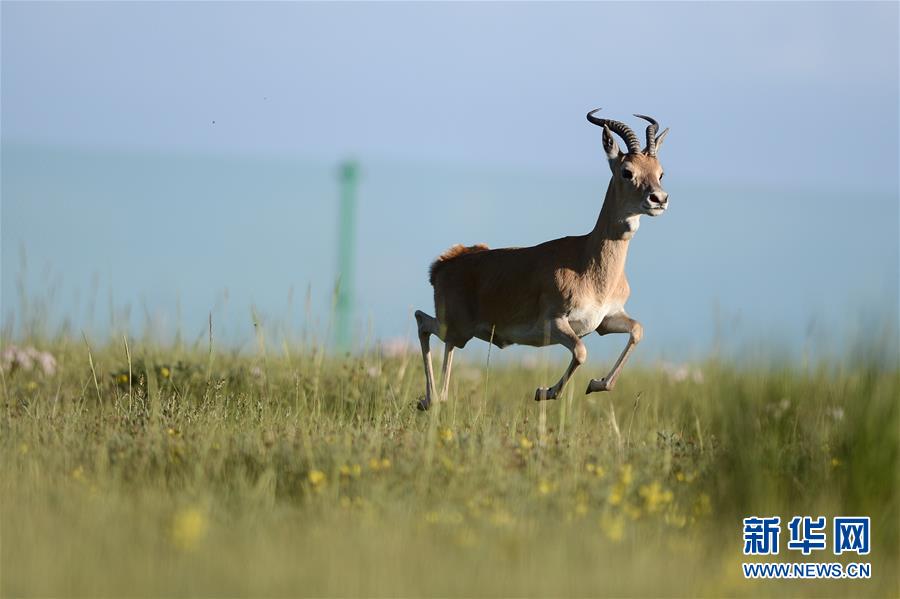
(161, 161)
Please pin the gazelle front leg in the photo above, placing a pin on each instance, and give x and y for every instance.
(561, 332)
(428, 326)
(619, 323)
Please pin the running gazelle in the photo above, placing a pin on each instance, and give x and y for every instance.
(555, 292)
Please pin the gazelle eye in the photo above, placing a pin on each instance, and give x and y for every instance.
(627, 174)
(661, 176)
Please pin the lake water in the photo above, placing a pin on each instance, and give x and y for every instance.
(155, 242)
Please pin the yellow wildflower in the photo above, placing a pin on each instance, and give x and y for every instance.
(446, 435)
(683, 477)
(165, 372)
(524, 443)
(444, 517)
(78, 473)
(675, 518)
(382, 464)
(613, 527)
(354, 470)
(835, 462)
(501, 517)
(626, 474)
(702, 506)
(122, 378)
(655, 496)
(188, 527)
(615, 495)
(31, 386)
(545, 488)
(316, 477)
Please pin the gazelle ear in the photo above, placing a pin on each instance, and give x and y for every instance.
(610, 146)
(661, 137)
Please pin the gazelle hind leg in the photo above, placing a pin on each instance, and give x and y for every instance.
(428, 326)
(620, 323)
(445, 372)
(561, 332)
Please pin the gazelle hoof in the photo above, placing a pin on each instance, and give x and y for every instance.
(599, 385)
(544, 393)
(422, 405)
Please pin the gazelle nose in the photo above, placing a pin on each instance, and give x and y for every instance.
(659, 197)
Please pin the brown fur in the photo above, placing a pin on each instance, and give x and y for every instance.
(481, 294)
(451, 253)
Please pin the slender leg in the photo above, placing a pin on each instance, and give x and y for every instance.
(619, 323)
(445, 372)
(428, 326)
(562, 333)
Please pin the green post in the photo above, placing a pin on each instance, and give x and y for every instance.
(348, 176)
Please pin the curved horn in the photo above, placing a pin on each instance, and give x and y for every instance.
(624, 131)
(651, 134)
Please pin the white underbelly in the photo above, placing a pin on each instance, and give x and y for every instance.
(537, 334)
(585, 319)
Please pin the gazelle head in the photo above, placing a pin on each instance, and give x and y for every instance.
(636, 174)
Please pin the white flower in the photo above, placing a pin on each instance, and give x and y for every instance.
(47, 362)
(682, 372)
(396, 347)
(13, 358)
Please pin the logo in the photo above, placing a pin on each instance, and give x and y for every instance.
(761, 535)
(848, 534)
(851, 535)
(807, 534)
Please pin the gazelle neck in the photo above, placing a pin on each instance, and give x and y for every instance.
(607, 243)
(612, 227)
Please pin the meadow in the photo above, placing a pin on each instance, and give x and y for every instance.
(154, 471)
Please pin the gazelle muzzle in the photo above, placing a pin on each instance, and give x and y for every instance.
(656, 202)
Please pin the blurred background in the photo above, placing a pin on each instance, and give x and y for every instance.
(164, 162)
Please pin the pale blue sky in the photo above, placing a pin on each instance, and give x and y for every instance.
(468, 121)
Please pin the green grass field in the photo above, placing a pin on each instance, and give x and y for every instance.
(288, 473)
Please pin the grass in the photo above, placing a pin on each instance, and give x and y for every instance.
(296, 473)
